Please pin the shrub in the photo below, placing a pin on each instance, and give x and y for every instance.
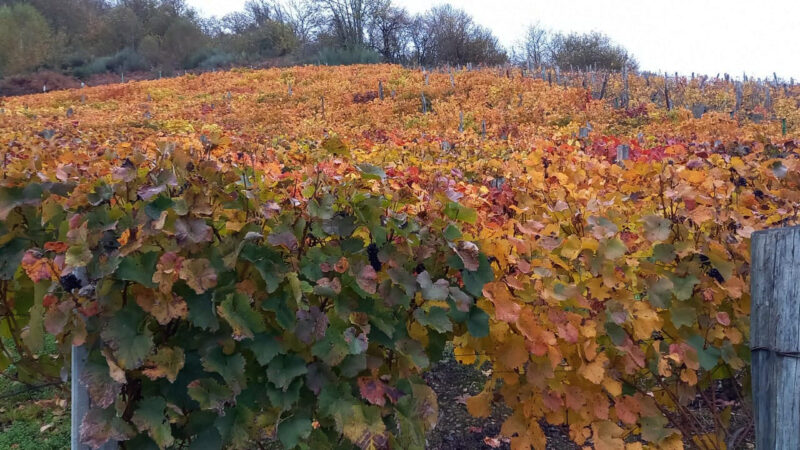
(332, 56)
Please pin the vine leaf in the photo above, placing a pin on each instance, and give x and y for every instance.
(128, 336)
(150, 417)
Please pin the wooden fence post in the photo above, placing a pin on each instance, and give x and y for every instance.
(80, 400)
(80, 396)
(775, 337)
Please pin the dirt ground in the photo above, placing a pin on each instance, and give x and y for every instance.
(457, 429)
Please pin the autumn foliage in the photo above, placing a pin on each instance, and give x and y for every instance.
(247, 261)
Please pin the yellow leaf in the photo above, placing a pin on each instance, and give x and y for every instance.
(594, 371)
(607, 436)
(480, 405)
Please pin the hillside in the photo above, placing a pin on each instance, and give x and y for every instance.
(283, 253)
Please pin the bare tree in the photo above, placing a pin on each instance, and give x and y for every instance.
(304, 18)
(388, 31)
(448, 35)
(533, 46)
(348, 19)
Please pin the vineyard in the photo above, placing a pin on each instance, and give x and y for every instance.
(280, 255)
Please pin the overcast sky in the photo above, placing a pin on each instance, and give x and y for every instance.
(703, 36)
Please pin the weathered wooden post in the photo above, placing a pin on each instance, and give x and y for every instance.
(461, 121)
(738, 89)
(666, 92)
(623, 153)
(625, 96)
(380, 89)
(775, 337)
(80, 396)
(80, 400)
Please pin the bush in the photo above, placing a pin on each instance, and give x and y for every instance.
(126, 60)
(210, 59)
(288, 320)
(331, 56)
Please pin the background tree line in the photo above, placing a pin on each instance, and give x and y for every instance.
(87, 37)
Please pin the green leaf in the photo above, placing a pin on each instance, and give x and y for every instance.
(478, 322)
(237, 311)
(683, 287)
(264, 347)
(401, 277)
(138, 268)
(461, 213)
(659, 292)
(11, 197)
(612, 249)
(322, 208)
(284, 368)
(616, 333)
(433, 291)
(268, 262)
(683, 315)
(128, 336)
(474, 280)
(210, 394)
(234, 426)
(101, 193)
(209, 439)
(452, 232)
(435, 318)
(201, 308)
(357, 343)
(664, 253)
(708, 355)
(332, 349)
(414, 351)
(284, 399)
(370, 172)
(33, 335)
(293, 429)
(230, 367)
(157, 206)
(654, 429)
(656, 228)
(11, 254)
(150, 417)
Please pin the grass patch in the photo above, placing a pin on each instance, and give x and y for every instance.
(33, 418)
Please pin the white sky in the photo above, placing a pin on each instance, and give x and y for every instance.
(702, 36)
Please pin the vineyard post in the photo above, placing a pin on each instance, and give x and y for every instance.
(738, 88)
(775, 337)
(461, 121)
(767, 97)
(483, 129)
(625, 96)
(380, 89)
(80, 400)
(666, 92)
(623, 153)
